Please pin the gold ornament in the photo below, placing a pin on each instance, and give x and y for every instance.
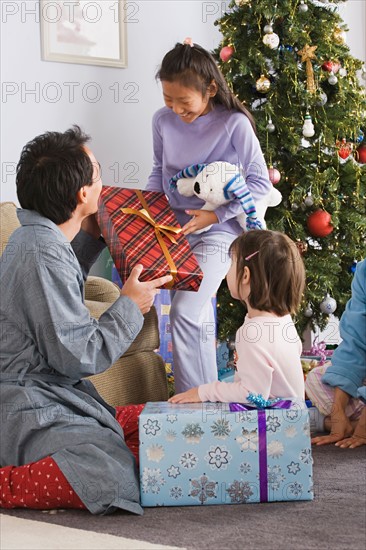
(339, 36)
(307, 54)
(263, 84)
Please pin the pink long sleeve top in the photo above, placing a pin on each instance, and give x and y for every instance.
(268, 362)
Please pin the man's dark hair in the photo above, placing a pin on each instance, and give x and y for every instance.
(51, 170)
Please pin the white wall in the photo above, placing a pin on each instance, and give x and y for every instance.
(121, 130)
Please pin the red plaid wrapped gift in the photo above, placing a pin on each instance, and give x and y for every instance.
(139, 227)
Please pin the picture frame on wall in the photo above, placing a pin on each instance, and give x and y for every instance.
(84, 32)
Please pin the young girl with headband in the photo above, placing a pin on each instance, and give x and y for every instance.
(202, 122)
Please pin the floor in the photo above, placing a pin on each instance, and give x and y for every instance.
(23, 534)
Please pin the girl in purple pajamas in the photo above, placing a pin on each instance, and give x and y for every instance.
(202, 122)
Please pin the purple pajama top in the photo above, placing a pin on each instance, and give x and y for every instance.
(220, 135)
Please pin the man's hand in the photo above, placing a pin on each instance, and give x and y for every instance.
(200, 220)
(189, 396)
(142, 293)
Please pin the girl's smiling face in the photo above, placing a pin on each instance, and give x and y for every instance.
(187, 103)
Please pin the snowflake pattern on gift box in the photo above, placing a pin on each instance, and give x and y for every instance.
(305, 456)
(245, 416)
(239, 492)
(170, 435)
(248, 441)
(275, 449)
(275, 477)
(193, 433)
(245, 468)
(203, 489)
(273, 423)
(173, 471)
(292, 414)
(221, 428)
(188, 460)
(155, 453)
(218, 458)
(176, 493)
(290, 431)
(151, 427)
(295, 489)
(306, 429)
(293, 468)
(171, 418)
(152, 480)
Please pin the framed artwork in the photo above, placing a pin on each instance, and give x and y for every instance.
(91, 33)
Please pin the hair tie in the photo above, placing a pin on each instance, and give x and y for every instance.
(188, 42)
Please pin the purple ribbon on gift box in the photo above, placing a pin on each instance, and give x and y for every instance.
(318, 349)
(261, 407)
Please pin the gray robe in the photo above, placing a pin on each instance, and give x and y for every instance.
(48, 343)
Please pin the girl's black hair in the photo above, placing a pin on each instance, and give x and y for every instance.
(196, 68)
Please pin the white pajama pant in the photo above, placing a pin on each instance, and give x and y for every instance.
(192, 317)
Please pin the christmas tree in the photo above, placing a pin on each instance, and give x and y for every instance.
(289, 63)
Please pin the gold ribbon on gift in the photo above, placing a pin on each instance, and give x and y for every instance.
(167, 230)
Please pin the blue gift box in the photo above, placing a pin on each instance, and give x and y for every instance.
(206, 453)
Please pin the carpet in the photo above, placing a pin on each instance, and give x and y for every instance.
(335, 519)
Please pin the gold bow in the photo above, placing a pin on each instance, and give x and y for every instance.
(168, 230)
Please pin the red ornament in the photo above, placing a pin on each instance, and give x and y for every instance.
(226, 52)
(274, 175)
(361, 154)
(345, 149)
(331, 66)
(319, 223)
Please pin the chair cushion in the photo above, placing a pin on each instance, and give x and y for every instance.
(8, 222)
(148, 338)
(134, 379)
(102, 290)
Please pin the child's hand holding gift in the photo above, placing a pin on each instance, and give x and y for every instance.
(189, 396)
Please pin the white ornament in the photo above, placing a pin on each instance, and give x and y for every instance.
(342, 72)
(309, 201)
(308, 311)
(308, 127)
(328, 305)
(363, 72)
(270, 126)
(271, 40)
(268, 29)
(303, 7)
(323, 98)
(332, 79)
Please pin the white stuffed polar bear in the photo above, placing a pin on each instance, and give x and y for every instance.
(218, 183)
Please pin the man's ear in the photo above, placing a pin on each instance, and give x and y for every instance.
(81, 195)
